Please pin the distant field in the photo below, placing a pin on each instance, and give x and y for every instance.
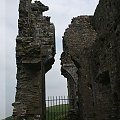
(54, 113)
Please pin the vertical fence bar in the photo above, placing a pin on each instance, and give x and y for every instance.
(65, 105)
(56, 109)
(51, 107)
(62, 105)
(59, 107)
(68, 103)
(48, 110)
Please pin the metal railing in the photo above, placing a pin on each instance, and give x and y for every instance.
(57, 108)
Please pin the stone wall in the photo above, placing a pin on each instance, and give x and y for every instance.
(78, 40)
(35, 50)
(107, 49)
(69, 71)
(90, 62)
(92, 43)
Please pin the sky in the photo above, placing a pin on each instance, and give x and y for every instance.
(61, 12)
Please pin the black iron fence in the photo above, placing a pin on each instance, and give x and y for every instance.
(57, 108)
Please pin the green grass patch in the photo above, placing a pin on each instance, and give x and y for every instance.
(57, 112)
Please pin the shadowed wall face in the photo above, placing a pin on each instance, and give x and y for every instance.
(92, 43)
(107, 49)
(35, 50)
(77, 42)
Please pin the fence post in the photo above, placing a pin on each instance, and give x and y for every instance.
(57, 107)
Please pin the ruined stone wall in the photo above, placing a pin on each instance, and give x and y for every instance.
(108, 57)
(78, 40)
(35, 50)
(92, 43)
(90, 61)
(69, 70)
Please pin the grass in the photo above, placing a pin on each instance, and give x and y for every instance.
(57, 112)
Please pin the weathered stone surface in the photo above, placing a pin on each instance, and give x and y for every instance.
(91, 43)
(78, 40)
(69, 71)
(35, 50)
(108, 59)
(90, 62)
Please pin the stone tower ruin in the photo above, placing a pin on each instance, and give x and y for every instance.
(35, 50)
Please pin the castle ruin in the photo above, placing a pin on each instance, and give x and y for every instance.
(35, 50)
(90, 62)
(91, 45)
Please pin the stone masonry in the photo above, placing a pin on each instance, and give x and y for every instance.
(35, 50)
(69, 71)
(78, 40)
(92, 45)
(90, 62)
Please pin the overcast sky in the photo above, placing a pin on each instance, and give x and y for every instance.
(61, 12)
